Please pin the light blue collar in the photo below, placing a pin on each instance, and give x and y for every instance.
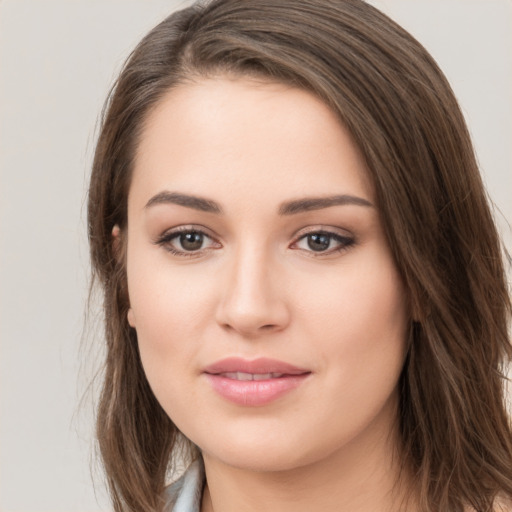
(185, 494)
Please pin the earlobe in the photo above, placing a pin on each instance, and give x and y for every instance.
(131, 317)
(116, 250)
(116, 231)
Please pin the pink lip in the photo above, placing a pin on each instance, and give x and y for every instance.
(254, 392)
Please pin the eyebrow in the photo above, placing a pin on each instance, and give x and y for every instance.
(287, 208)
(197, 203)
(317, 203)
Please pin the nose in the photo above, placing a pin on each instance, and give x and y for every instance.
(253, 299)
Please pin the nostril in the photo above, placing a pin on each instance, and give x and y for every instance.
(266, 327)
(251, 307)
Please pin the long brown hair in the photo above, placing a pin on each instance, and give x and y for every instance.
(401, 112)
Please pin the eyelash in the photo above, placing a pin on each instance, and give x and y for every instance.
(165, 240)
(344, 242)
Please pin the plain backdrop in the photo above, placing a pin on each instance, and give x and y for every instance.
(57, 61)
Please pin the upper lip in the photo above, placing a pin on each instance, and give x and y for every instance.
(261, 365)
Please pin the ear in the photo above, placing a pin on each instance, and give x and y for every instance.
(116, 248)
(131, 317)
(116, 239)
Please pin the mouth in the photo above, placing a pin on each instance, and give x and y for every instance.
(251, 376)
(254, 383)
(270, 368)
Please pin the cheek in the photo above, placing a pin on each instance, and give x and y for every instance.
(164, 297)
(356, 302)
(360, 320)
(170, 307)
(359, 330)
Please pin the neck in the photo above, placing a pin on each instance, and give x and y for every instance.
(360, 477)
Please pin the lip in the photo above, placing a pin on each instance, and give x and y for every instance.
(274, 379)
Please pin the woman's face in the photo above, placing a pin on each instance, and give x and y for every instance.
(270, 316)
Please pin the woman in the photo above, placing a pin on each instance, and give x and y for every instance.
(304, 290)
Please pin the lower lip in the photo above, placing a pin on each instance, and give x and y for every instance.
(255, 392)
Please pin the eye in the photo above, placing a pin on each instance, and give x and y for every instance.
(191, 241)
(186, 241)
(323, 242)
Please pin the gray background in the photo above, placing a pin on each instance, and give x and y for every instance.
(57, 61)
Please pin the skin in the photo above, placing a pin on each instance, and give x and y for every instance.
(255, 288)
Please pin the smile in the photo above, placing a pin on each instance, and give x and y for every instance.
(251, 376)
(254, 383)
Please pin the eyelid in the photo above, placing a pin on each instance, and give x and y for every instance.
(322, 228)
(346, 239)
(170, 234)
(180, 228)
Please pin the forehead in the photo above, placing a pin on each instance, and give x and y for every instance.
(240, 137)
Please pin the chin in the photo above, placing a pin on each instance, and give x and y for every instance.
(265, 452)
(257, 461)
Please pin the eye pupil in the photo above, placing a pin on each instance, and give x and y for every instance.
(191, 241)
(318, 242)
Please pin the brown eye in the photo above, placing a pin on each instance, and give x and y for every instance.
(185, 242)
(191, 241)
(318, 242)
(323, 242)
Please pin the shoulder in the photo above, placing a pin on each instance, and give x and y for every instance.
(184, 495)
